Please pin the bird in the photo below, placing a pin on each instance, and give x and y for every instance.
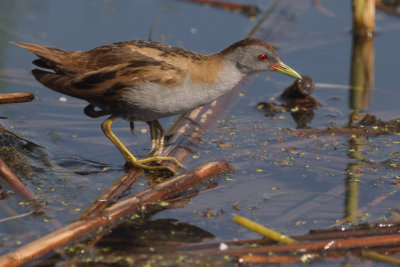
(146, 81)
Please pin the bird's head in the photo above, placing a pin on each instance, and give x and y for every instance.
(253, 55)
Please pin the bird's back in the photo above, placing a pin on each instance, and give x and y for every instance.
(88, 74)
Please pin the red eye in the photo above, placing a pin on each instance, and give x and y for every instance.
(262, 57)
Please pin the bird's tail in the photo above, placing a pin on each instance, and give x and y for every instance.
(49, 57)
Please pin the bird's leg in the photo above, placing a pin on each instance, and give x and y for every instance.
(129, 157)
(106, 127)
(152, 138)
(157, 137)
(157, 143)
(132, 127)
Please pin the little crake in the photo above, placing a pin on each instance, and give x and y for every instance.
(146, 81)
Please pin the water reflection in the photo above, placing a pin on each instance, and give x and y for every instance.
(361, 92)
(361, 75)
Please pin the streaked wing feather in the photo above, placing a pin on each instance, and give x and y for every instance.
(108, 81)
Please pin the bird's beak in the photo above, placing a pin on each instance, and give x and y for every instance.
(285, 69)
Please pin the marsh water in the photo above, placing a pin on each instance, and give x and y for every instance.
(290, 182)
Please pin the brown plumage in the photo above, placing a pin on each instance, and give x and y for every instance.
(145, 81)
(100, 72)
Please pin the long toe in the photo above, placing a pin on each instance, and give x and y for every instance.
(158, 168)
(144, 164)
(155, 159)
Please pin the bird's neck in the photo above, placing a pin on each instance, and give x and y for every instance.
(212, 78)
(228, 76)
(216, 71)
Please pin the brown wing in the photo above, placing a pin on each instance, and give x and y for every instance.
(108, 81)
(72, 62)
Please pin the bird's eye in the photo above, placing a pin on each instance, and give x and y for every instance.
(262, 57)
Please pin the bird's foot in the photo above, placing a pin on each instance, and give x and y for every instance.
(142, 163)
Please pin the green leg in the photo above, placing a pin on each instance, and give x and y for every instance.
(130, 159)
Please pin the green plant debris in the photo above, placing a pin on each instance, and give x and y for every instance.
(262, 230)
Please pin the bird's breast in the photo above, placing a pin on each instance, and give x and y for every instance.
(148, 100)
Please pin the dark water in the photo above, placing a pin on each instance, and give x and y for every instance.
(290, 184)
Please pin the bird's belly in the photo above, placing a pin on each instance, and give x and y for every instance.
(152, 101)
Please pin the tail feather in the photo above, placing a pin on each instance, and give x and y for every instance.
(45, 52)
(49, 57)
(73, 73)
